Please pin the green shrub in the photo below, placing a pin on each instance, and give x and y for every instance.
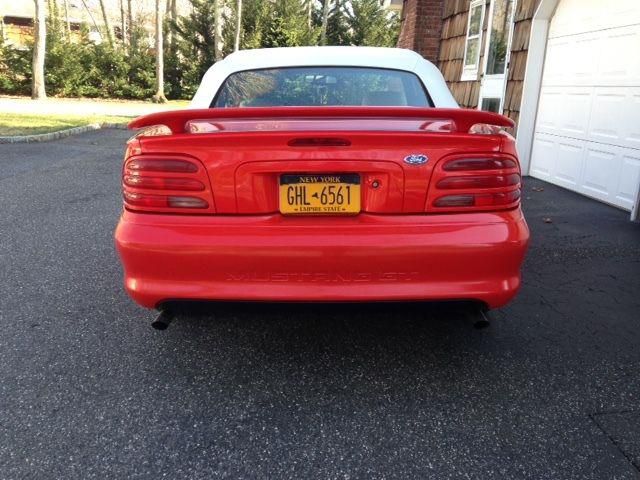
(15, 70)
(80, 68)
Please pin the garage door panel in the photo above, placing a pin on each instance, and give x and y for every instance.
(601, 58)
(584, 51)
(547, 114)
(558, 54)
(605, 104)
(571, 61)
(545, 151)
(568, 168)
(579, 16)
(574, 112)
(600, 171)
(615, 116)
(618, 60)
(565, 111)
(629, 178)
(632, 119)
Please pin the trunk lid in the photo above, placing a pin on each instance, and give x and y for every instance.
(246, 151)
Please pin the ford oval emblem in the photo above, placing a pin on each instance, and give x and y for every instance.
(416, 159)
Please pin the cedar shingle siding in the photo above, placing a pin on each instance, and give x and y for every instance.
(518, 62)
(454, 34)
(452, 42)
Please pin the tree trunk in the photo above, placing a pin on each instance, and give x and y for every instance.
(66, 19)
(123, 24)
(159, 96)
(38, 90)
(172, 10)
(236, 45)
(169, 33)
(132, 35)
(325, 19)
(217, 42)
(174, 19)
(107, 25)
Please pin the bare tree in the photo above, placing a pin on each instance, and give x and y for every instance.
(66, 18)
(123, 24)
(325, 19)
(38, 90)
(132, 35)
(107, 25)
(93, 20)
(159, 95)
(172, 11)
(217, 42)
(236, 44)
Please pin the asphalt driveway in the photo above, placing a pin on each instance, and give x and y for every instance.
(89, 390)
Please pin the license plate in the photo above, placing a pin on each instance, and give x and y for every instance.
(320, 194)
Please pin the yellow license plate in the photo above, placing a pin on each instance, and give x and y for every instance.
(320, 194)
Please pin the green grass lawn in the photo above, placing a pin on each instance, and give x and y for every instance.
(17, 124)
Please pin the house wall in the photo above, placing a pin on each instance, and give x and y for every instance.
(17, 31)
(450, 56)
(421, 27)
(518, 62)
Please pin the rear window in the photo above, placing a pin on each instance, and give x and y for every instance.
(321, 86)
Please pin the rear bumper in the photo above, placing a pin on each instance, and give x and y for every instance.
(475, 256)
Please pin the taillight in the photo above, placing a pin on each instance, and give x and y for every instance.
(161, 183)
(479, 181)
(475, 183)
(478, 199)
(162, 165)
(465, 164)
(166, 185)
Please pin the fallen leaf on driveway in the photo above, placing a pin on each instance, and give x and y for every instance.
(538, 189)
(547, 220)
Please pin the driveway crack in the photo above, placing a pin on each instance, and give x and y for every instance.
(593, 418)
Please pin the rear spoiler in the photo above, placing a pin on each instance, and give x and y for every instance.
(462, 119)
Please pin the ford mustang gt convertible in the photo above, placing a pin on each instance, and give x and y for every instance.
(322, 174)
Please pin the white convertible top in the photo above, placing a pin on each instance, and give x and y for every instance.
(391, 58)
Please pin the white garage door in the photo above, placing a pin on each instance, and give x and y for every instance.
(587, 135)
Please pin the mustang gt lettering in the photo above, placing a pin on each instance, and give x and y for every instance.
(321, 277)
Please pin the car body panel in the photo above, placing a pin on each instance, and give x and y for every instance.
(367, 257)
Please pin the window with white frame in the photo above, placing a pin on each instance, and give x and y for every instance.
(473, 42)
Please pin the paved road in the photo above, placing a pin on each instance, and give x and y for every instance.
(89, 390)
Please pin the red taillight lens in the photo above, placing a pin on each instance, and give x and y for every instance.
(161, 165)
(161, 183)
(465, 164)
(484, 181)
(478, 199)
(154, 184)
(455, 201)
(163, 201)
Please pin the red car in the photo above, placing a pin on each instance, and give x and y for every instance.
(322, 174)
